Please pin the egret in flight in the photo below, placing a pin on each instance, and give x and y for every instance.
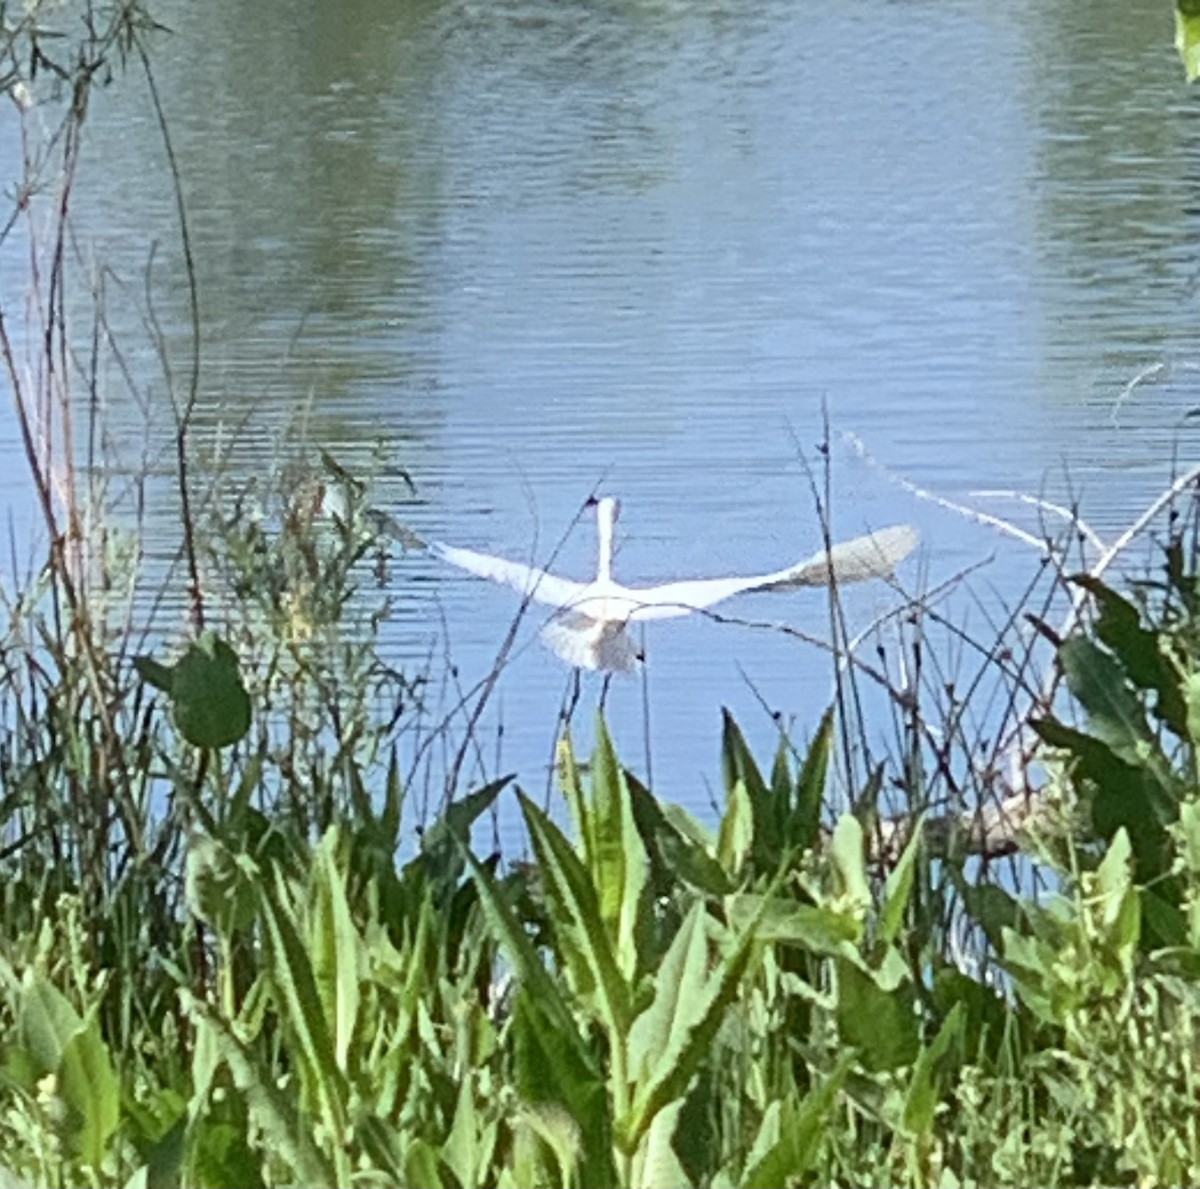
(590, 627)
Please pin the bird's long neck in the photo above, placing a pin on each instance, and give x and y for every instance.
(604, 530)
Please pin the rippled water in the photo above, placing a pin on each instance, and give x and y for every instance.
(542, 247)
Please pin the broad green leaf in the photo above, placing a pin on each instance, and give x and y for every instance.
(655, 1165)
(735, 838)
(393, 804)
(1123, 794)
(336, 947)
(677, 842)
(571, 782)
(211, 705)
(920, 1102)
(987, 1018)
(781, 771)
(285, 1132)
(460, 817)
(1113, 876)
(767, 813)
(221, 887)
(575, 917)
(557, 1130)
(618, 862)
(70, 1047)
(880, 1021)
(553, 1068)
(849, 860)
(461, 1151)
(1115, 714)
(1032, 962)
(1119, 625)
(804, 826)
(789, 1140)
(1187, 37)
(1119, 908)
(299, 1002)
(543, 990)
(817, 928)
(678, 1002)
(689, 1045)
(152, 672)
(898, 887)
(422, 1165)
(993, 907)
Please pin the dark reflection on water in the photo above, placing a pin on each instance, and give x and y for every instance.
(529, 248)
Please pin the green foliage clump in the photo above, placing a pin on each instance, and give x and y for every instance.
(647, 1001)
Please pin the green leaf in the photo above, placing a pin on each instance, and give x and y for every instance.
(656, 1165)
(1123, 794)
(678, 1001)
(849, 860)
(283, 1130)
(531, 971)
(920, 1102)
(422, 1165)
(767, 812)
(211, 705)
(1119, 625)
(993, 907)
(552, 1067)
(676, 841)
(393, 804)
(804, 824)
(735, 838)
(790, 1138)
(571, 782)
(898, 887)
(466, 1150)
(692, 1030)
(618, 859)
(152, 672)
(878, 1020)
(987, 1019)
(337, 949)
(221, 887)
(294, 982)
(1187, 37)
(817, 928)
(575, 917)
(461, 815)
(1115, 712)
(70, 1047)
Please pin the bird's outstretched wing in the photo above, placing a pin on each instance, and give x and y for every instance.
(527, 580)
(872, 556)
(875, 555)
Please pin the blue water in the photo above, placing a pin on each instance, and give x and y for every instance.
(532, 250)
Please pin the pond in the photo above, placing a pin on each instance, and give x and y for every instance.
(529, 250)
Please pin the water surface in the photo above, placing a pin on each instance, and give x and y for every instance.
(537, 248)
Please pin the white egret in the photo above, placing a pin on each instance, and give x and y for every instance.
(590, 627)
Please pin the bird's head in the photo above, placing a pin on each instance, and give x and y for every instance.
(607, 507)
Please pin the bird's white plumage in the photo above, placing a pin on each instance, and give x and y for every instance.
(589, 630)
